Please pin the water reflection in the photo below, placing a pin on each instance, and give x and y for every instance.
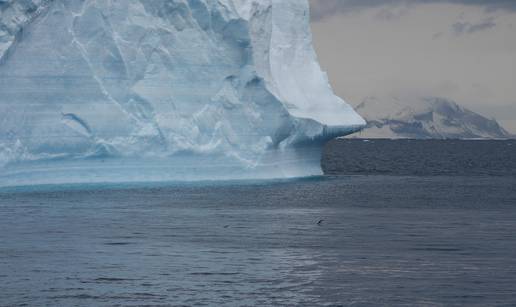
(262, 245)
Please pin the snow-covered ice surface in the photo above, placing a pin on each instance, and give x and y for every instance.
(156, 90)
(425, 118)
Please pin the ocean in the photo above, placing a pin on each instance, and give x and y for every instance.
(396, 223)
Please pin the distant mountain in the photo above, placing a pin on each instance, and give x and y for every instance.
(425, 118)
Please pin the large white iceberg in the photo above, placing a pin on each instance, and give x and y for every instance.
(153, 90)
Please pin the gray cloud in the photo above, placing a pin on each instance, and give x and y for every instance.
(460, 28)
(410, 50)
(324, 8)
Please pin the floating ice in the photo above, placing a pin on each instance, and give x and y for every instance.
(153, 90)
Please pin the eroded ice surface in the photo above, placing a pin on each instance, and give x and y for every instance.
(140, 90)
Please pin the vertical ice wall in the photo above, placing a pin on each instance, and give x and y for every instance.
(139, 90)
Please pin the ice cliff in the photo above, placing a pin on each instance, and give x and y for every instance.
(151, 90)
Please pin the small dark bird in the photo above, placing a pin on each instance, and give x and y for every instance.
(320, 222)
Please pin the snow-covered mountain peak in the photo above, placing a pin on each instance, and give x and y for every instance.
(424, 117)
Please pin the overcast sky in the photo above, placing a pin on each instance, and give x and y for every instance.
(464, 50)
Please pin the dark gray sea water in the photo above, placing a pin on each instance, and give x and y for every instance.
(401, 223)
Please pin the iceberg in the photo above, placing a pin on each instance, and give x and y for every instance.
(162, 90)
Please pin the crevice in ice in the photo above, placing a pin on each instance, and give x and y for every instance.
(77, 124)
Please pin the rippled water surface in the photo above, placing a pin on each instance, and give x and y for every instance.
(397, 239)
